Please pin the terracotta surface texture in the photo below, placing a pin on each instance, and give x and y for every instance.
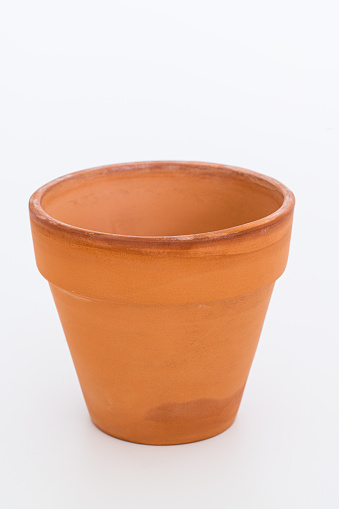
(162, 273)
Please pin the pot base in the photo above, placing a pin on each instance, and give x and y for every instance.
(167, 440)
(173, 423)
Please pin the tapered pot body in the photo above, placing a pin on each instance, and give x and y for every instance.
(162, 273)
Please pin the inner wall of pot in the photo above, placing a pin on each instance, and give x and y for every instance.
(158, 203)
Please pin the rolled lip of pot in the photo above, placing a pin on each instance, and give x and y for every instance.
(282, 213)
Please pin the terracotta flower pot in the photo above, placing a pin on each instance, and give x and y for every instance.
(162, 273)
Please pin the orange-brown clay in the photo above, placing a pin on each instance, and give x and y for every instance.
(162, 273)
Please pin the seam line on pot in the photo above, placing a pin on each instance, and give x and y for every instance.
(89, 299)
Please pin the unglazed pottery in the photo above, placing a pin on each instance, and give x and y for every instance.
(162, 273)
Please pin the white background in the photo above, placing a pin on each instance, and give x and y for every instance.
(248, 83)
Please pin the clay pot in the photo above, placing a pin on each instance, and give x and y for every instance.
(162, 273)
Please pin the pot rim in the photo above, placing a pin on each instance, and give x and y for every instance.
(283, 212)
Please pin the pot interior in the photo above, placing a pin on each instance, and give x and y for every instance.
(159, 201)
